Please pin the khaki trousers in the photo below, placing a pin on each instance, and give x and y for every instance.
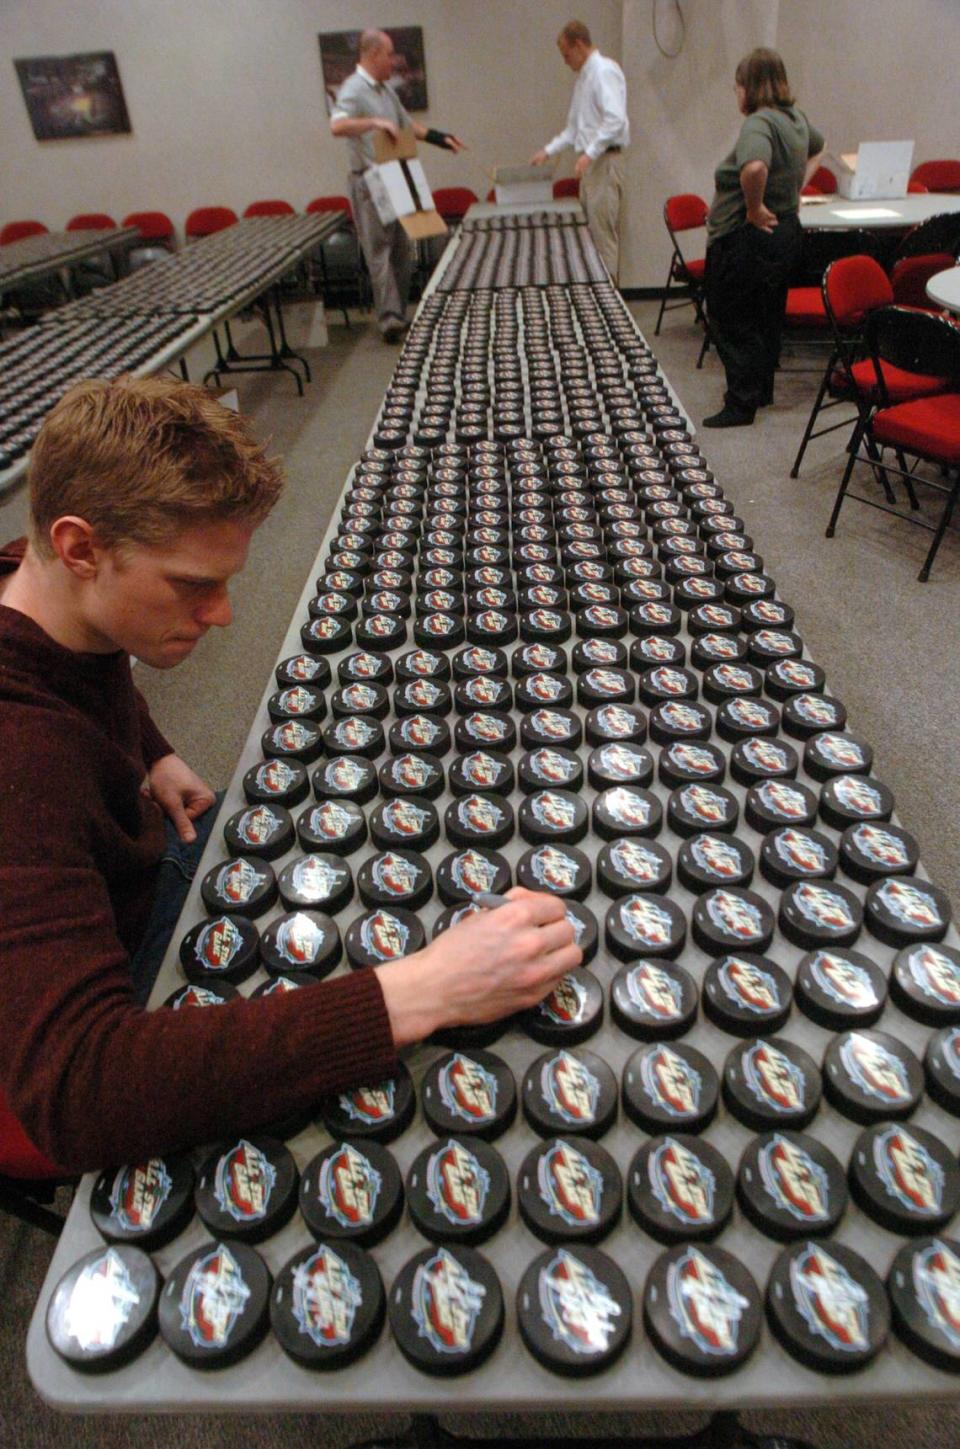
(388, 256)
(601, 190)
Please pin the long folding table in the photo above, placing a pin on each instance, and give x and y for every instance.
(55, 252)
(586, 324)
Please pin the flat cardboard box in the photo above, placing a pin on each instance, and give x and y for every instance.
(522, 185)
(399, 188)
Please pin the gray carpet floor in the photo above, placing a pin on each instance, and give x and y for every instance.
(888, 645)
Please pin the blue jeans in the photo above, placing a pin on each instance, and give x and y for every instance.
(178, 866)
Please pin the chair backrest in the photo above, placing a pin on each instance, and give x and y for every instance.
(269, 208)
(152, 225)
(916, 188)
(921, 342)
(910, 276)
(207, 219)
(566, 186)
(824, 180)
(91, 221)
(938, 175)
(685, 212)
(331, 203)
(17, 230)
(492, 194)
(854, 287)
(940, 233)
(453, 202)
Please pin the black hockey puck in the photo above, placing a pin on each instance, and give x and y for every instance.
(103, 1311)
(746, 995)
(790, 854)
(336, 825)
(458, 1191)
(395, 877)
(904, 1178)
(248, 1189)
(756, 759)
(775, 803)
(771, 1083)
(569, 1091)
(871, 851)
(346, 776)
(481, 770)
(669, 1085)
(300, 942)
(446, 1309)
(569, 1191)
(925, 983)
(702, 1309)
(807, 713)
(406, 821)
(378, 1111)
(848, 799)
(645, 925)
(790, 1186)
(260, 830)
(383, 935)
(711, 859)
(827, 1307)
(871, 1076)
(922, 1284)
(411, 774)
(469, 1092)
(820, 913)
(904, 909)
(214, 1306)
(146, 1203)
(574, 1310)
(239, 887)
(680, 720)
(327, 1305)
(571, 1013)
(696, 807)
(224, 949)
(321, 882)
(283, 782)
(351, 1191)
(680, 1189)
(562, 869)
(745, 718)
(840, 989)
(619, 762)
(727, 919)
(831, 753)
(653, 1000)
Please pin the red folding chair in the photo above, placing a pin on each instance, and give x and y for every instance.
(153, 226)
(925, 430)
(270, 208)
(206, 220)
(685, 212)
(91, 221)
(453, 202)
(567, 186)
(938, 175)
(17, 230)
(28, 1180)
(927, 249)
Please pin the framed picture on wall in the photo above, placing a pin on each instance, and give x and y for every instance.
(73, 95)
(339, 54)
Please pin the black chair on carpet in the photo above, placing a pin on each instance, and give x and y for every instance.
(924, 430)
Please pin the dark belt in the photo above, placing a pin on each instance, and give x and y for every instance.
(613, 150)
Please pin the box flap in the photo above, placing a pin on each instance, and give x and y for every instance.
(403, 149)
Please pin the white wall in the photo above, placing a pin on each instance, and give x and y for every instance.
(226, 102)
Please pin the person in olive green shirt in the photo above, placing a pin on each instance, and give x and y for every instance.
(753, 234)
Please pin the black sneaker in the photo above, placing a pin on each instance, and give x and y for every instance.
(729, 417)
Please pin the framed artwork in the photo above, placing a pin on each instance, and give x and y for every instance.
(73, 95)
(338, 57)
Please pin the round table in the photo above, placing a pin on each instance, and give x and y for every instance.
(944, 289)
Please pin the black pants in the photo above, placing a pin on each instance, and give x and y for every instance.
(747, 276)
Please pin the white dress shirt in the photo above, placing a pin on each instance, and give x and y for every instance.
(598, 110)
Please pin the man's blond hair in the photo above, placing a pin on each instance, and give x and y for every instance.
(142, 459)
(575, 32)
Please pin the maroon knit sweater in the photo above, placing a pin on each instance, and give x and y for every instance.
(93, 1078)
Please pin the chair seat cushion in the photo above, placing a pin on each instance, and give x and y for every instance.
(696, 268)
(930, 426)
(805, 307)
(901, 385)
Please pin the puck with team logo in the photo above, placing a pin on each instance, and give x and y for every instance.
(941, 1063)
(668, 1085)
(702, 1309)
(629, 864)
(624, 723)
(872, 850)
(310, 669)
(697, 807)
(423, 734)
(809, 712)
(537, 658)
(351, 1191)
(746, 994)
(469, 1092)
(355, 734)
(680, 1189)
(904, 1178)
(904, 909)
(787, 677)
(360, 697)
(103, 1311)
(293, 739)
(836, 753)
(345, 777)
(328, 634)
(684, 761)
(483, 691)
(773, 804)
(574, 1310)
(383, 935)
(224, 949)
(458, 1190)
(409, 821)
(729, 680)
(301, 942)
(423, 664)
(550, 767)
(817, 913)
(827, 1307)
(653, 1000)
(654, 649)
(395, 877)
(214, 1306)
(336, 825)
(327, 1305)
(239, 887)
(870, 1076)
(925, 983)
(365, 667)
(421, 696)
(479, 819)
(320, 881)
(247, 1189)
(758, 758)
(211, 993)
(598, 654)
(715, 648)
(553, 815)
(547, 626)
(771, 1082)
(790, 853)
(726, 919)
(621, 811)
(840, 989)
(145, 1203)
(790, 1186)
(848, 799)
(599, 686)
(569, 1190)
(548, 726)
(465, 873)
(680, 720)
(446, 1309)
(485, 729)
(645, 925)
(261, 830)
(568, 1091)
(378, 1111)
(922, 1285)
(711, 859)
(619, 762)
(745, 718)
(276, 782)
(411, 774)
(481, 771)
(571, 1013)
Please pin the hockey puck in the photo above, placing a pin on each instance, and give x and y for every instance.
(925, 983)
(711, 859)
(327, 1305)
(904, 1178)
(146, 1204)
(619, 762)
(569, 1191)
(904, 909)
(224, 949)
(321, 882)
(469, 1092)
(569, 1091)
(827, 1307)
(411, 774)
(465, 873)
(757, 758)
(378, 1111)
(405, 821)
(790, 854)
(870, 1076)
(653, 1000)
(696, 807)
(336, 825)
(571, 1013)
(103, 1311)
(776, 803)
(790, 1186)
(383, 935)
(281, 782)
(214, 1306)
(239, 887)
(670, 1085)
(574, 1310)
(458, 1191)
(817, 913)
(870, 851)
(395, 877)
(645, 925)
(770, 1083)
(840, 989)
(351, 1190)
(301, 941)
(446, 1309)
(247, 1190)
(347, 776)
(702, 1309)
(922, 1287)
(680, 1189)
(746, 994)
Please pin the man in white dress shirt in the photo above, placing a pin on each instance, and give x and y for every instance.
(598, 130)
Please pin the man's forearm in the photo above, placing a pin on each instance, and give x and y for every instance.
(354, 125)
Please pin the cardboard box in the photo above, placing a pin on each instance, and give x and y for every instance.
(523, 185)
(878, 171)
(400, 190)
